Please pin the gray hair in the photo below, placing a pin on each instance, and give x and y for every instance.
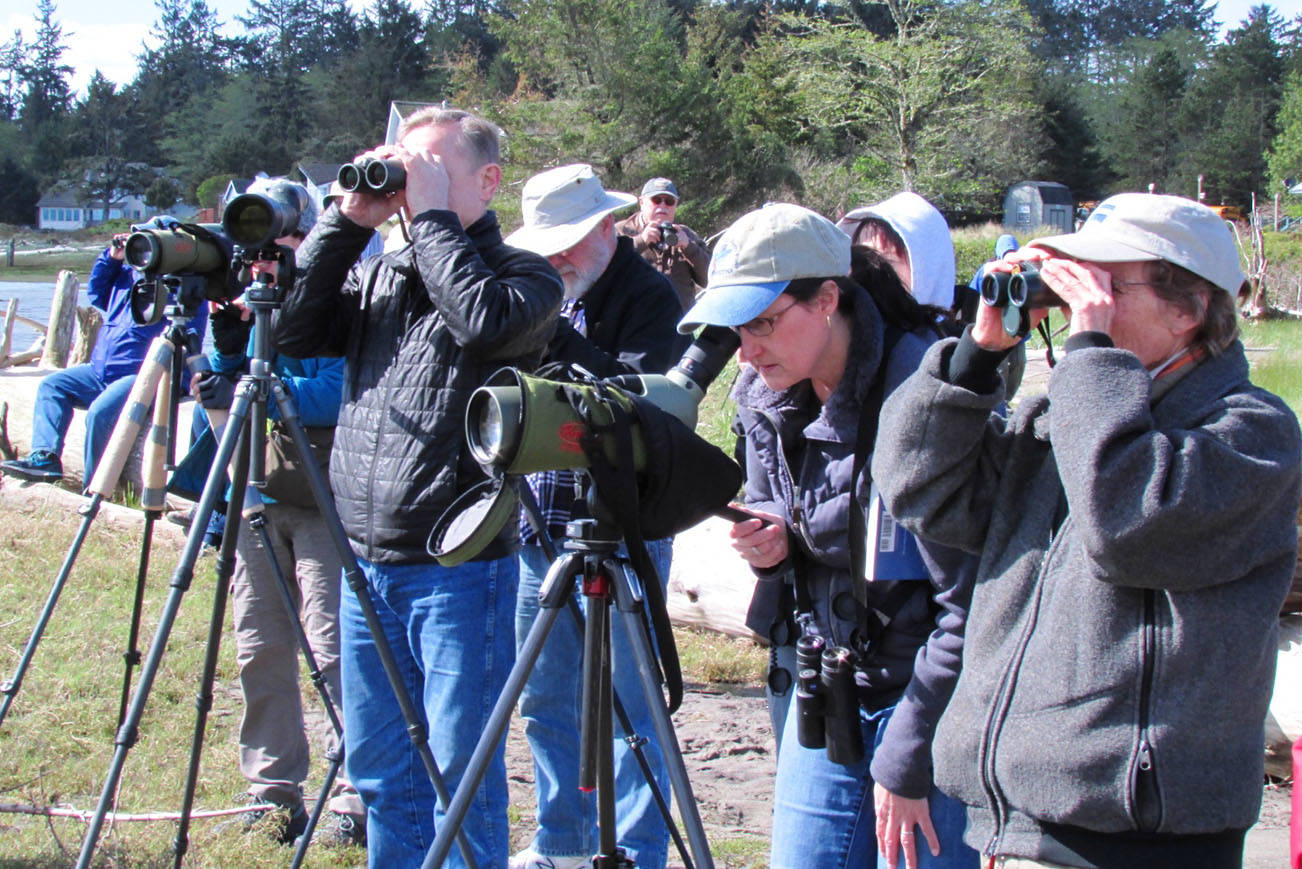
(479, 139)
(284, 189)
(1212, 307)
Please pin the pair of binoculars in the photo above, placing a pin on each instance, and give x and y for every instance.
(827, 701)
(1016, 293)
(373, 175)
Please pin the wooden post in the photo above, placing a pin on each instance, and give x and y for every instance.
(89, 321)
(9, 257)
(11, 311)
(63, 316)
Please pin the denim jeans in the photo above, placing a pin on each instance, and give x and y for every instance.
(551, 708)
(823, 811)
(450, 629)
(78, 387)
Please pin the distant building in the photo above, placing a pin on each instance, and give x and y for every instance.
(317, 178)
(1029, 205)
(64, 209)
(398, 110)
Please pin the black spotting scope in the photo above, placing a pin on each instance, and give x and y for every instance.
(256, 220)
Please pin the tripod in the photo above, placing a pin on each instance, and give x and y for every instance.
(592, 552)
(162, 366)
(243, 438)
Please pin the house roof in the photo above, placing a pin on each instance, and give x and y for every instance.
(59, 199)
(319, 173)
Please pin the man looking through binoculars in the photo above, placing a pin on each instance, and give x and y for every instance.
(419, 329)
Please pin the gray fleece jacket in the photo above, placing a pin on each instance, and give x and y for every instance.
(1121, 641)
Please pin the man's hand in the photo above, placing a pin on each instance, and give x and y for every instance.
(761, 541)
(651, 235)
(683, 240)
(427, 181)
(214, 391)
(118, 247)
(230, 328)
(896, 819)
(371, 209)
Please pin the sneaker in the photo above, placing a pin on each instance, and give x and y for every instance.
(42, 466)
(181, 517)
(283, 824)
(337, 829)
(531, 859)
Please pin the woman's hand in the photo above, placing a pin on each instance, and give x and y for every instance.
(1086, 291)
(988, 331)
(762, 541)
(896, 818)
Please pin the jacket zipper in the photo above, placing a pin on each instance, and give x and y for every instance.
(1146, 799)
(797, 511)
(1004, 699)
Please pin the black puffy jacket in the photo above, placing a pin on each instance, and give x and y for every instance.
(420, 329)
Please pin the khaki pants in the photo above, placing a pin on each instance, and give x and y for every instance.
(274, 750)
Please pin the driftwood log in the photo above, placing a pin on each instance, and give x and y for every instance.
(1293, 603)
(1284, 720)
(89, 321)
(63, 317)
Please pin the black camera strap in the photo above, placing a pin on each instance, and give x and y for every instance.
(617, 485)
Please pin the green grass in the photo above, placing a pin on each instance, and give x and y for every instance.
(714, 658)
(37, 267)
(57, 741)
(1275, 356)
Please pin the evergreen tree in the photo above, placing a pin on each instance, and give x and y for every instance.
(47, 94)
(13, 55)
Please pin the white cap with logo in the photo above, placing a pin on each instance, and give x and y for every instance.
(1145, 227)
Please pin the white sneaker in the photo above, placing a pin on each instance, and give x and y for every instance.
(531, 859)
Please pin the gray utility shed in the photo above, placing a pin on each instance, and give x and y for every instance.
(1031, 204)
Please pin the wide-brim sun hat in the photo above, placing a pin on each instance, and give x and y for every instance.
(561, 206)
(759, 255)
(1146, 227)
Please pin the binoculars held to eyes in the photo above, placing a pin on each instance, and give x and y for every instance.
(373, 175)
(1015, 293)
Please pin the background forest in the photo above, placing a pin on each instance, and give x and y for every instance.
(826, 103)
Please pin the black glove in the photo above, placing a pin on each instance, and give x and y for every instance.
(216, 392)
(230, 334)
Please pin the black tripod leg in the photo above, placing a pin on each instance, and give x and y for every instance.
(356, 580)
(203, 699)
(131, 654)
(557, 585)
(630, 609)
(182, 576)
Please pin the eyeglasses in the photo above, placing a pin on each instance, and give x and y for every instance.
(1117, 283)
(663, 199)
(762, 327)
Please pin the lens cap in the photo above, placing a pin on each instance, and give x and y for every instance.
(472, 521)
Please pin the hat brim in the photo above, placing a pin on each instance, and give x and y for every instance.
(1094, 248)
(730, 305)
(551, 240)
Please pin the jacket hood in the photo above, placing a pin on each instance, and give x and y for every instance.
(926, 238)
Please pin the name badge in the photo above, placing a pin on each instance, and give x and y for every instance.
(892, 550)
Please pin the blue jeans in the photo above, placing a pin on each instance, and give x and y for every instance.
(551, 706)
(78, 387)
(450, 629)
(823, 811)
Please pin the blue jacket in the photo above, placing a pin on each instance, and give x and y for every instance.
(122, 343)
(315, 384)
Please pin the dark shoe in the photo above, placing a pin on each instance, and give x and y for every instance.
(337, 829)
(282, 823)
(181, 517)
(41, 466)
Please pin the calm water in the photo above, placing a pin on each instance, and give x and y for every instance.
(34, 301)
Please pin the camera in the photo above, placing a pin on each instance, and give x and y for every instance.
(118, 242)
(373, 175)
(1016, 293)
(827, 701)
(668, 236)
